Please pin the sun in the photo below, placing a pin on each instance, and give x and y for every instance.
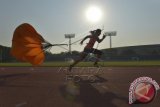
(94, 14)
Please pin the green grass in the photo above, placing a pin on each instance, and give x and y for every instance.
(90, 64)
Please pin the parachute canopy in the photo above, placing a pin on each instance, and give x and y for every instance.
(27, 45)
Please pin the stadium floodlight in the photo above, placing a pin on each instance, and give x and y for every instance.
(69, 36)
(110, 34)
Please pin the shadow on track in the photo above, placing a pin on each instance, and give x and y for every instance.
(84, 92)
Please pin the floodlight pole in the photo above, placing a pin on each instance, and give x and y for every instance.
(110, 42)
(70, 46)
(70, 36)
(110, 34)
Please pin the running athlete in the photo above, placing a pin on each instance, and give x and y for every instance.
(89, 47)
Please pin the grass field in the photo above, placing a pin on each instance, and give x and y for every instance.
(90, 64)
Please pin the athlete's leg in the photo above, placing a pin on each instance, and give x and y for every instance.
(97, 59)
(98, 55)
(82, 56)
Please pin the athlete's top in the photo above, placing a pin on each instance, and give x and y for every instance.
(91, 42)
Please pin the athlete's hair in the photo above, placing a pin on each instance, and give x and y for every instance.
(98, 30)
(95, 31)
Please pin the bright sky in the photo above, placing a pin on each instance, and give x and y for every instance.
(137, 22)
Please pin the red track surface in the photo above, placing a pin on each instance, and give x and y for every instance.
(46, 87)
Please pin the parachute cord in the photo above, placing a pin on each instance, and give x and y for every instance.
(79, 35)
(63, 48)
(76, 41)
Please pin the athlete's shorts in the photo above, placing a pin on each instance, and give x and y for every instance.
(92, 50)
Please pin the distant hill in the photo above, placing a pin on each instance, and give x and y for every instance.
(142, 52)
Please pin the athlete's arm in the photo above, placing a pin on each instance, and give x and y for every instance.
(100, 40)
(84, 39)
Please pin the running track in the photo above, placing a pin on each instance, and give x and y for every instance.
(46, 87)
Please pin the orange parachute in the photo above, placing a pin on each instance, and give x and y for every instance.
(28, 45)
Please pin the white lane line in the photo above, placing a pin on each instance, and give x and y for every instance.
(105, 87)
(109, 69)
(21, 104)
